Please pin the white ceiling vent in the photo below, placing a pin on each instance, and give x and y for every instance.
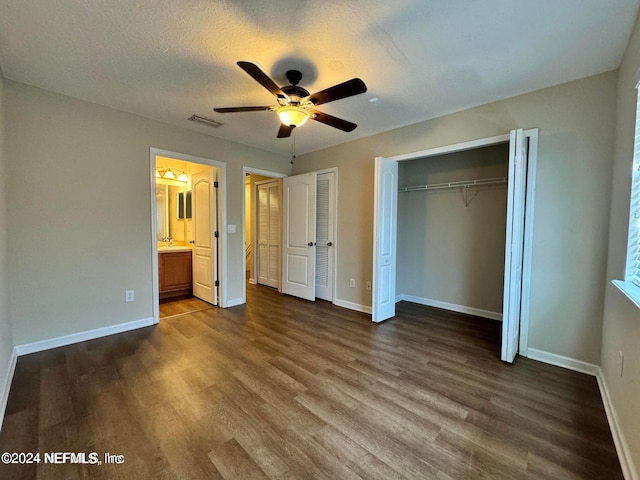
(205, 121)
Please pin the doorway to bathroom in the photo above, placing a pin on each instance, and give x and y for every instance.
(187, 242)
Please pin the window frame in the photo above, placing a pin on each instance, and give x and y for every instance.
(630, 286)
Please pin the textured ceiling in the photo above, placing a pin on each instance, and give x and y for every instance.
(168, 59)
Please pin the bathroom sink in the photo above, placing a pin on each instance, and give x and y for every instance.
(174, 248)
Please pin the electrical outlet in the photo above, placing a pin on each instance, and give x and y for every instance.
(621, 360)
(369, 285)
(352, 282)
(129, 295)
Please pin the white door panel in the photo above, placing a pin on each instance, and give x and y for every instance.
(385, 235)
(204, 241)
(514, 246)
(297, 269)
(299, 229)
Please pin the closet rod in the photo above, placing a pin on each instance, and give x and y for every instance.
(463, 184)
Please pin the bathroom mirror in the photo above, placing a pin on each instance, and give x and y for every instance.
(170, 222)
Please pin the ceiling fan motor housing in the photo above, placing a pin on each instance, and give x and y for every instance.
(295, 93)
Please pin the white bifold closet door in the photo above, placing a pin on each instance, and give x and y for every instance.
(268, 234)
(308, 234)
(325, 235)
(385, 234)
(514, 247)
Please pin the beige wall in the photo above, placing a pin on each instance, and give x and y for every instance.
(80, 237)
(6, 342)
(448, 250)
(576, 122)
(621, 325)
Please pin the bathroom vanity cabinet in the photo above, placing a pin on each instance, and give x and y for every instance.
(174, 272)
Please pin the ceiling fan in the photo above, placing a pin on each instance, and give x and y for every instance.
(295, 104)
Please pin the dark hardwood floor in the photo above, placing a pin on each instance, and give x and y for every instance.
(171, 307)
(282, 388)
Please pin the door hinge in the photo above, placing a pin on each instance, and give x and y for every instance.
(217, 284)
(216, 184)
(216, 234)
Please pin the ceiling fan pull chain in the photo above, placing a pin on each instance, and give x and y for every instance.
(293, 147)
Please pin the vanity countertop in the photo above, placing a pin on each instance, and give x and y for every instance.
(174, 248)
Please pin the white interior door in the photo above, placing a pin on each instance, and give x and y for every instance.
(385, 236)
(204, 260)
(299, 231)
(325, 235)
(514, 247)
(268, 233)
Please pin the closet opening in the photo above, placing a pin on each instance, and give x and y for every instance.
(401, 218)
(262, 223)
(452, 219)
(262, 218)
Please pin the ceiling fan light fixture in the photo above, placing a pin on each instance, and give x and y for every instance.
(169, 174)
(292, 116)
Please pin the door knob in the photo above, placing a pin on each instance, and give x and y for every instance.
(192, 241)
(310, 244)
(329, 244)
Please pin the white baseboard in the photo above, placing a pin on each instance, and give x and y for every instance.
(629, 470)
(450, 306)
(562, 361)
(6, 385)
(252, 281)
(352, 306)
(235, 302)
(82, 336)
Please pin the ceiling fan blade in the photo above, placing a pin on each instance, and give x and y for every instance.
(332, 121)
(355, 86)
(241, 109)
(262, 78)
(285, 131)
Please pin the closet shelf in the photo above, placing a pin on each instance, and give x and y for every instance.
(485, 182)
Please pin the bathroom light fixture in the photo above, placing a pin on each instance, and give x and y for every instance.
(292, 116)
(170, 174)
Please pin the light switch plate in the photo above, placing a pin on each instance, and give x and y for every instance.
(231, 228)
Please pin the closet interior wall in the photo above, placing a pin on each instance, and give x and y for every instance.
(451, 244)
